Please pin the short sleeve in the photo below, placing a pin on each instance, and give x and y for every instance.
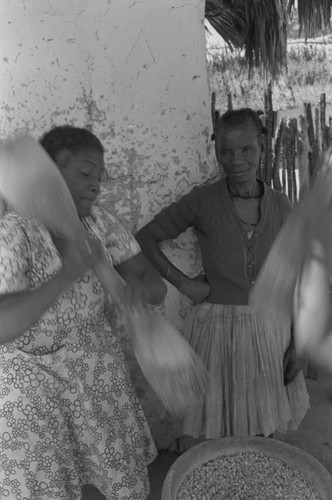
(180, 215)
(119, 242)
(14, 252)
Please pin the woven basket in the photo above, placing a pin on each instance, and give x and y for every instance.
(317, 475)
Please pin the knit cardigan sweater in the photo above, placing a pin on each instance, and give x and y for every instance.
(231, 260)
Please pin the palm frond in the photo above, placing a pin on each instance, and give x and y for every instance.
(266, 42)
(257, 25)
(314, 16)
(260, 26)
(227, 21)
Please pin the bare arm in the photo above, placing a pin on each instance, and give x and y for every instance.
(19, 312)
(149, 238)
(144, 280)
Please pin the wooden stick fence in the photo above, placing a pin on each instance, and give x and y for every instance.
(298, 144)
(293, 145)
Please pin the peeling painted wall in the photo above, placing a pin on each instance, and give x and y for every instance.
(135, 72)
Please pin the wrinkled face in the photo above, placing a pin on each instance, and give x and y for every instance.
(83, 173)
(238, 151)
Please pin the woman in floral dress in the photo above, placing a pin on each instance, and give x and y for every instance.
(69, 415)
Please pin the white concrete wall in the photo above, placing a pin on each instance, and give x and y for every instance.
(132, 70)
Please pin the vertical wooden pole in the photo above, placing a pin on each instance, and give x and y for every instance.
(213, 110)
(329, 135)
(277, 162)
(269, 118)
(322, 107)
(284, 160)
(312, 154)
(229, 101)
(295, 134)
(302, 154)
(318, 134)
(290, 159)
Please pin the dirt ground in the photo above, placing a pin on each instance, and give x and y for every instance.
(314, 435)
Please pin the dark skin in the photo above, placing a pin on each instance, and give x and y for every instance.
(238, 151)
(196, 289)
(290, 364)
(83, 173)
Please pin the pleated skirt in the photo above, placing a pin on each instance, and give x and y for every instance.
(243, 352)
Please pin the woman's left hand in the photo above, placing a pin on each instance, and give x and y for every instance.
(144, 284)
(290, 365)
(134, 292)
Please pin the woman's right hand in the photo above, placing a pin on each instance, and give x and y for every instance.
(78, 255)
(196, 289)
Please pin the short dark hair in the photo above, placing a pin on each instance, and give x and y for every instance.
(74, 139)
(235, 117)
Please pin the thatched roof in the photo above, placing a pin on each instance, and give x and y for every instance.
(260, 26)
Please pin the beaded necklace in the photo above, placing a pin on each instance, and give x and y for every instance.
(246, 197)
(247, 223)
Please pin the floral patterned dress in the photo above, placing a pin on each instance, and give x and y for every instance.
(68, 412)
